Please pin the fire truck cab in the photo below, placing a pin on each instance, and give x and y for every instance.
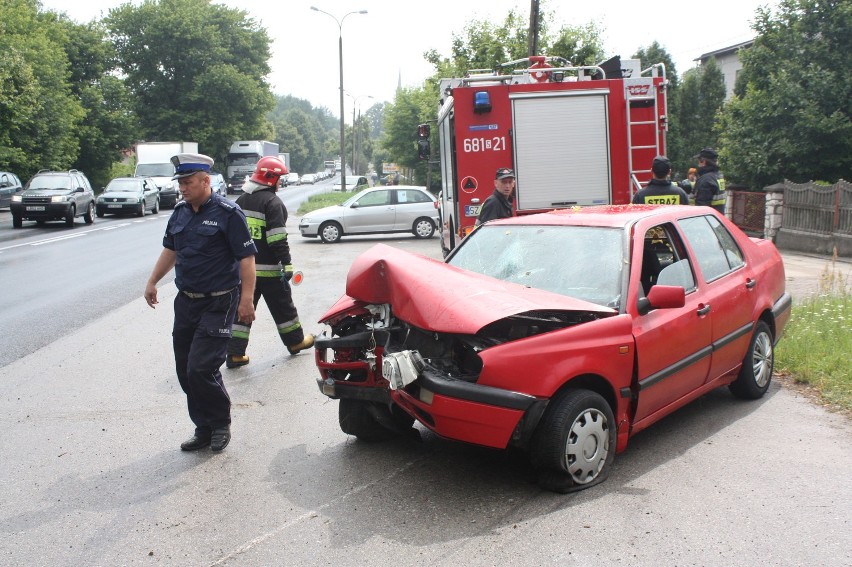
(574, 136)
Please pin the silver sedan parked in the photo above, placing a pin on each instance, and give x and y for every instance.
(379, 210)
(129, 195)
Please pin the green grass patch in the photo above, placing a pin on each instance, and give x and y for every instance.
(816, 348)
(322, 200)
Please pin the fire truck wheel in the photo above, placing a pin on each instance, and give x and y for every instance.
(423, 228)
(330, 232)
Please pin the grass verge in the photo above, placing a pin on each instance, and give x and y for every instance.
(322, 200)
(815, 351)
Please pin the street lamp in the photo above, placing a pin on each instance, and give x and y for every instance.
(355, 100)
(340, 47)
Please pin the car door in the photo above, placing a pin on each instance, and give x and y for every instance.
(729, 284)
(372, 212)
(411, 205)
(149, 193)
(6, 189)
(673, 345)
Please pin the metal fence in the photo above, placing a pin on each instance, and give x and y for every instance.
(748, 210)
(821, 209)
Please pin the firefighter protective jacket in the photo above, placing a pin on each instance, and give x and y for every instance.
(710, 188)
(266, 217)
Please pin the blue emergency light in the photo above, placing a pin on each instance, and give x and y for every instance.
(481, 102)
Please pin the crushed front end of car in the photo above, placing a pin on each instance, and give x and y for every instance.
(411, 338)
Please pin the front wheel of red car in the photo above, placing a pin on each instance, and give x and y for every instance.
(574, 445)
(371, 421)
(756, 372)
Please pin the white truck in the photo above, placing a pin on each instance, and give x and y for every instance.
(242, 159)
(153, 159)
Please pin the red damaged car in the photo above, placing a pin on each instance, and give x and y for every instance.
(562, 333)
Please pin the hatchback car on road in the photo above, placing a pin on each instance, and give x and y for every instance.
(562, 333)
(380, 210)
(10, 185)
(353, 183)
(54, 195)
(129, 195)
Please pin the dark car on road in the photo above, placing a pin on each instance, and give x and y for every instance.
(129, 195)
(54, 195)
(10, 185)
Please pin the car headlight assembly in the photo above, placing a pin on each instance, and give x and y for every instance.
(17, 199)
(59, 198)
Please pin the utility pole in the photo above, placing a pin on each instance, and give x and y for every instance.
(534, 26)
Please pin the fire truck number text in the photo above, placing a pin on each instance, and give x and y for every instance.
(496, 144)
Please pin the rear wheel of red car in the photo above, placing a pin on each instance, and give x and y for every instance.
(756, 372)
(371, 421)
(574, 445)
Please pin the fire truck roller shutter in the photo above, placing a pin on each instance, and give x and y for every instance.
(561, 144)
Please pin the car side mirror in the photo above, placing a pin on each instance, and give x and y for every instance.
(354, 205)
(662, 297)
(79, 190)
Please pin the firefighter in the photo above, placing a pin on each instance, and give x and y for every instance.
(499, 204)
(267, 217)
(208, 244)
(710, 186)
(661, 191)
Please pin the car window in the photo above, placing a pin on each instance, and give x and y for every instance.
(50, 182)
(715, 249)
(374, 198)
(411, 196)
(588, 265)
(661, 249)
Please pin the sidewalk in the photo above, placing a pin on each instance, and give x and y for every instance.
(805, 272)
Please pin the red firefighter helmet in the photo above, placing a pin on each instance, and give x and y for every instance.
(269, 169)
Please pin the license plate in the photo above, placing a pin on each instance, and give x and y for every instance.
(471, 210)
(35, 208)
(113, 206)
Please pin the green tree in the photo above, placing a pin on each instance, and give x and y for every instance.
(656, 53)
(196, 69)
(110, 125)
(792, 119)
(39, 113)
(696, 104)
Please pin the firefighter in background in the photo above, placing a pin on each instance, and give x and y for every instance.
(710, 186)
(267, 217)
(499, 205)
(661, 191)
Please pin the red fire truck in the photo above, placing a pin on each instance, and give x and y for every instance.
(574, 136)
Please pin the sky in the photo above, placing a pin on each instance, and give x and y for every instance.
(384, 47)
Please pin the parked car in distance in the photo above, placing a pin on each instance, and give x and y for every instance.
(128, 196)
(308, 178)
(353, 183)
(10, 185)
(54, 195)
(293, 178)
(380, 210)
(217, 183)
(562, 333)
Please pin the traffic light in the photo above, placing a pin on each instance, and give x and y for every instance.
(423, 149)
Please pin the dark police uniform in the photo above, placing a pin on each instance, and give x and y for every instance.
(208, 246)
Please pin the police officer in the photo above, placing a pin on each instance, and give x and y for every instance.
(661, 191)
(710, 186)
(499, 204)
(207, 242)
(267, 217)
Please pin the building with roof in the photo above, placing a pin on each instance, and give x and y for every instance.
(728, 60)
